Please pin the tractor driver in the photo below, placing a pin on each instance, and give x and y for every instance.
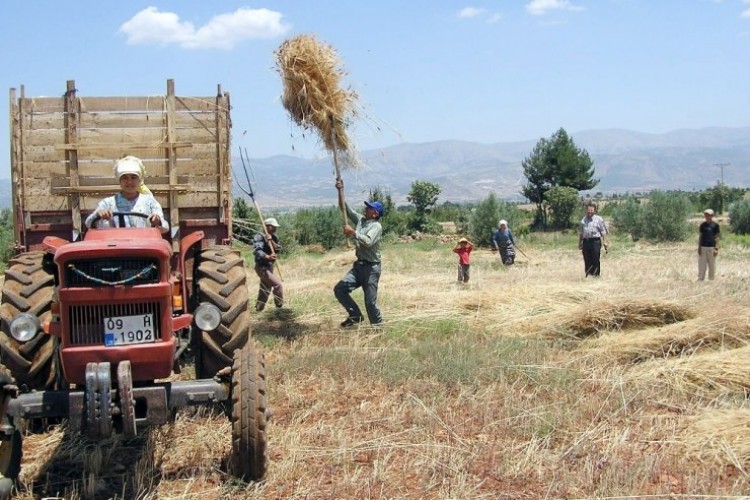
(134, 196)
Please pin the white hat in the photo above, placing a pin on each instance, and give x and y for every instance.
(129, 165)
(271, 222)
(502, 222)
(708, 211)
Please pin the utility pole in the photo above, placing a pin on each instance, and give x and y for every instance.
(721, 166)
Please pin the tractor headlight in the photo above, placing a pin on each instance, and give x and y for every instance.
(207, 317)
(24, 327)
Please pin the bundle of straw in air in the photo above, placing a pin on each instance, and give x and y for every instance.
(311, 73)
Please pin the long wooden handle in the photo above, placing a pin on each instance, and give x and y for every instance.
(342, 200)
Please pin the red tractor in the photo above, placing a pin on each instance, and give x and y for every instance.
(93, 326)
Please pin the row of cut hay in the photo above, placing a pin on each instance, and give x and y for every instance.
(311, 74)
(594, 318)
(729, 331)
(706, 375)
(719, 436)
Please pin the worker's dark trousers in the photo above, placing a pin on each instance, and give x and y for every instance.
(366, 275)
(592, 249)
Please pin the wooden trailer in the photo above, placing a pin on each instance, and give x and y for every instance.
(63, 151)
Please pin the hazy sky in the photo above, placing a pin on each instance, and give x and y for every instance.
(425, 70)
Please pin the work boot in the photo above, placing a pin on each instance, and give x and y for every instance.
(351, 322)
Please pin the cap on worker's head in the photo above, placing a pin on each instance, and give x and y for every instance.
(463, 240)
(129, 165)
(377, 206)
(502, 222)
(271, 222)
(708, 211)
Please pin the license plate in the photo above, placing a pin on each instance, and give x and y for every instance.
(126, 330)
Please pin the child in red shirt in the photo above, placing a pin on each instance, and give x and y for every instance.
(463, 248)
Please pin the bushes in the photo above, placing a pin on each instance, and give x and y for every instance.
(321, 226)
(7, 237)
(739, 217)
(484, 219)
(628, 218)
(562, 202)
(663, 218)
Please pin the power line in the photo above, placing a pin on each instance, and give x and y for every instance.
(721, 166)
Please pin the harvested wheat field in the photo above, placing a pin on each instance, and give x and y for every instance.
(529, 382)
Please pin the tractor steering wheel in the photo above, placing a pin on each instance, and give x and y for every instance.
(120, 218)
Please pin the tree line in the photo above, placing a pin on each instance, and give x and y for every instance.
(556, 172)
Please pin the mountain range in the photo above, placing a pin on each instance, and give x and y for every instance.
(624, 161)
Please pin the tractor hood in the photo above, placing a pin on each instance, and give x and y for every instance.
(103, 243)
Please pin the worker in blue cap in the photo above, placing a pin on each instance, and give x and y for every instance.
(367, 235)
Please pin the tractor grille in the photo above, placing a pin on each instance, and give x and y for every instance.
(87, 321)
(110, 272)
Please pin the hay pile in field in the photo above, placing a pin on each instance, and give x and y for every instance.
(719, 436)
(311, 74)
(594, 318)
(730, 331)
(719, 373)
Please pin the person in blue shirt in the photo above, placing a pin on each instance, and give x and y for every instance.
(503, 242)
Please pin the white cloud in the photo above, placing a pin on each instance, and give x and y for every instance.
(482, 14)
(540, 7)
(745, 13)
(223, 31)
(470, 12)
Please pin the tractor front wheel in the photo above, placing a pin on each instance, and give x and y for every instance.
(222, 281)
(28, 288)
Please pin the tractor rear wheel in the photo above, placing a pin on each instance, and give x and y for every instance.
(222, 281)
(28, 288)
(248, 415)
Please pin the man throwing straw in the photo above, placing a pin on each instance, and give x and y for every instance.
(367, 235)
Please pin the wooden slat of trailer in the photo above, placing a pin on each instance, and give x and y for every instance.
(44, 137)
(104, 168)
(110, 188)
(148, 103)
(205, 121)
(40, 121)
(109, 151)
(128, 137)
(89, 201)
(109, 181)
(189, 203)
(42, 104)
(193, 119)
(135, 103)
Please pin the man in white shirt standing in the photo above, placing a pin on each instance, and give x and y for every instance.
(591, 235)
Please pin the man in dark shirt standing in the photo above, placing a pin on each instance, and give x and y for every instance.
(265, 247)
(708, 245)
